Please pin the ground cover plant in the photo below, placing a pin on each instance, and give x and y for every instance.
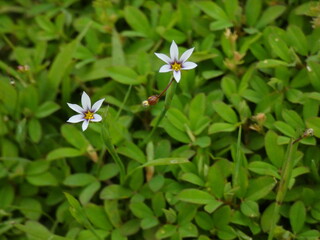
(226, 150)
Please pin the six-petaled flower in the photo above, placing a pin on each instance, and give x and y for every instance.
(87, 112)
(174, 63)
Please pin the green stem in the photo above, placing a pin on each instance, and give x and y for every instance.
(167, 104)
(283, 185)
(111, 149)
(124, 101)
(238, 161)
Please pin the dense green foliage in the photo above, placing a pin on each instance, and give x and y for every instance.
(219, 159)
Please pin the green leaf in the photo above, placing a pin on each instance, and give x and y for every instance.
(75, 137)
(46, 109)
(42, 179)
(88, 192)
(31, 208)
(225, 112)
(264, 168)
(314, 74)
(298, 40)
(63, 153)
(108, 171)
(213, 10)
(314, 123)
(177, 119)
(165, 161)
(115, 192)
(169, 34)
(118, 57)
(259, 188)
(62, 62)
(141, 210)
(34, 130)
(192, 178)
(188, 230)
(297, 216)
(293, 119)
(132, 151)
(37, 167)
(130, 227)
(269, 15)
(8, 95)
(250, 208)
(76, 209)
(112, 209)
(166, 231)
(38, 232)
(274, 151)
(149, 222)
(204, 220)
(197, 108)
(98, 217)
(280, 48)
(195, 196)
(7, 196)
(79, 180)
(285, 129)
(124, 75)
(252, 11)
(271, 63)
(138, 21)
(221, 127)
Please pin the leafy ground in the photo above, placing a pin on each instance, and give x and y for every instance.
(221, 164)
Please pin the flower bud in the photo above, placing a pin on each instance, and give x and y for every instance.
(153, 100)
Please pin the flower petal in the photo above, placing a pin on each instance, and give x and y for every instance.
(163, 57)
(86, 102)
(188, 65)
(76, 118)
(75, 107)
(186, 55)
(165, 68)
(85, 125)
(174, 51)
(96, 118)
(177, 75)
(95, 107)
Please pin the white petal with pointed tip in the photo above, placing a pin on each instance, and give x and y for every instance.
(95, 107)
(186, 55)
(188, 65)
(174, 51)
(96, 118)
(85, 125)
(177, 75)
(165, 68)
(163, 57)
(76, 118)
(75, 107)
(86, 102)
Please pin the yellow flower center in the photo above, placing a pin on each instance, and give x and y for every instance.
(176, 66)
(88, 115)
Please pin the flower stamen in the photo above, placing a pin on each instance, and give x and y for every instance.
(88, 115)
(176, 66)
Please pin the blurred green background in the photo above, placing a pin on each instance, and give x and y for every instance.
(220, 165)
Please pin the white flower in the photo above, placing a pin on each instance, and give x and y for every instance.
(173, 63)
(86, 112)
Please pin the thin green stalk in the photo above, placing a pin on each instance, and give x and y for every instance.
(111, 149)
(283, 185)
(238, 162)
(168, 100)
(124, 101)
